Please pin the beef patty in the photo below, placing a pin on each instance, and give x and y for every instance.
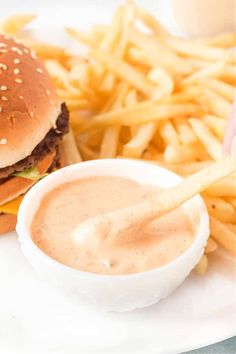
(47, 145)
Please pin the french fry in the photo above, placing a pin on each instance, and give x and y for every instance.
(223, 188)
(212, 70)
(151, 22)
(160, 78)
(75, 105)
(229, 74)
(44, 50)
(215, 104)
(110, 141)
(224, 40)
(125, 72)
(168, 133)
(185, 132)
(188, 168)
(14, 24)
(160, 53)
(86, 152)
(108, 83)
(94, 139)
(112, 34)
(232, 201)
(221, 88)
(128, 17)
(131, 98)
(135, 147)
(60, 75)
(137, 56)
(140, 113)
(184, 153)
(211, 143)
(201, 267)
(211, 246)
(223, 235)
(231, 227)
(82, 37)
(216, 124)
(70, 152)
(187, 94)
(99, 32)
(199, 50)
(220, 209)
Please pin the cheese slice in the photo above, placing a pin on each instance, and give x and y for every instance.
(11, 207)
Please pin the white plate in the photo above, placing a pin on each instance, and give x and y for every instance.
(35, 318)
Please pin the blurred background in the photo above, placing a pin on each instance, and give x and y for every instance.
(183, 17)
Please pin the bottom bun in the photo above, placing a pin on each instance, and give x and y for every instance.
(7, 223)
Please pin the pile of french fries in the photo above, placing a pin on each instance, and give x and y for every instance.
(141, 93)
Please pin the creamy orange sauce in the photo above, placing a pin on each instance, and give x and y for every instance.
(65, 207)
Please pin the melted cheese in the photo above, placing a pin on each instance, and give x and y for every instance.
(11, 207)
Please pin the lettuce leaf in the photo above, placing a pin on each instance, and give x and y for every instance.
(31, 173)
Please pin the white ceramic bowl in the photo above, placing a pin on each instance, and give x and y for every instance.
(112, 292)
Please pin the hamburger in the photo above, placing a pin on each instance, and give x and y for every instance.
(32, 123)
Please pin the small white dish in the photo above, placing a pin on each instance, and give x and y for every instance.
(112, 292)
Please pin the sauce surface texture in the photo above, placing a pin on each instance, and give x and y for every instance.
(65, 207)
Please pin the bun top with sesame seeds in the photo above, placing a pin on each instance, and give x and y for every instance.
(29, 106)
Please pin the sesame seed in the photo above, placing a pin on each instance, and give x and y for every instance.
(21, 97)
(4, 98)
(0, 109)
(39, 70)
(3, 141)
(58, 131)
(3, 45)
(16, 71)
(18, 81)
(33, 55)
(3, 88)
(15, 49)
(3, 66)
(47, 92)
(25, 50)
(3, 51)
(17, 41)
(31, 114)
(17, 61)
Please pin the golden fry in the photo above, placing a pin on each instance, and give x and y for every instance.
(201, 267)
(14, 24)
(211, 246)
(136, 146)
(140, 114)
(223, 235)
(212, 144)
(220, 209)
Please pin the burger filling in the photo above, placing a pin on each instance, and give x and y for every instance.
(26, 167)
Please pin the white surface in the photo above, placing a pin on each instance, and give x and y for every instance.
(35, 318)
(120, 292)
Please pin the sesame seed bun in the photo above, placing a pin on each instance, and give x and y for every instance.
(29, 106)
(7, 223)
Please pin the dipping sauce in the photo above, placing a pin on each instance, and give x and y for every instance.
(68, 205)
